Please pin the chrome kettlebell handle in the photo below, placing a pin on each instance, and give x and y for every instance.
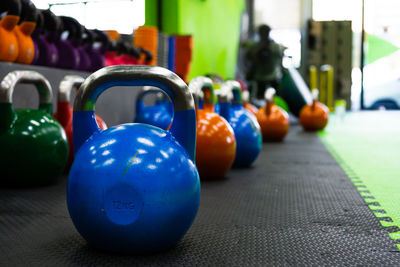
(222, 95)
(197, 84)
(66, 85)
(246, 96)
(26, 77)
(122, 75)
(150, 89)
(269, 95)
(315, 94)
(232, 90)
(183, 126)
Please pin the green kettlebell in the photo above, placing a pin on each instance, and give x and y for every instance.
(34, 148)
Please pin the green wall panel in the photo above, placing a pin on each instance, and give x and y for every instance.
(215, 25)
(150, 7)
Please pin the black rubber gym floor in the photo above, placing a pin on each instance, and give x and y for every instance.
(294, 207)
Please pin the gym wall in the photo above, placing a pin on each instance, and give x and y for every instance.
(216, 33)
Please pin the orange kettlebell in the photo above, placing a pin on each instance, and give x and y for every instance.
(274, 121)
(23, 31)
(314, 117)
(216, 143)
(8, 40)
(247, 105)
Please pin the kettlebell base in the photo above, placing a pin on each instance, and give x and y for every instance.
(213, 167)
(275, 136)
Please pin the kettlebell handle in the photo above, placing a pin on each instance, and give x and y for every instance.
(66, 85)
(197, 85)
(144, 91)
(12, 7)
(246, 96)
(269, 94)
(233, 90)
(27, 77)
(183, 126)
(315, 94)
(148, 90)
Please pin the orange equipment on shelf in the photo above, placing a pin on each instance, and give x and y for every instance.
(8, 40)
(23, 32)
(113, 35)
(147, 37)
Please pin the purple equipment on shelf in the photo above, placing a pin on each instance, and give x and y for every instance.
(69, 57)
(95, 48)
(46, 53)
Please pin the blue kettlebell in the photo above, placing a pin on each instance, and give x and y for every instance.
(159, 115)
(217, 105)
(245, 126)
(133, 188)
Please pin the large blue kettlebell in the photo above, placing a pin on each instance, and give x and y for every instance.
(245, 126)
(134, 187)
(159, 115)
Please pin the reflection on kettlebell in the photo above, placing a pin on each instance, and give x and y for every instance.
(160, 114)
(216, 144)
(64, 110)
(314, 117)
(133, 187)
(245, 126)
(274, 121)
(34, 147)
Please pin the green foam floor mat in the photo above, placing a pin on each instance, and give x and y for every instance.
(367, 146)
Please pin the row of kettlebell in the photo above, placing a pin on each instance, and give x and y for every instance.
(122, 52)
(230, 137)
(229, 131)
(32, 36)
(132, 187)
(274, 119)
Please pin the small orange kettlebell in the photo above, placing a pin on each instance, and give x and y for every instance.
(274, 121)
(216, 143)
(314, 117)
(246, 103)
(8, 40)
(23, 31)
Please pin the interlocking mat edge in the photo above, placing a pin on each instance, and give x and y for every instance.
(367, 147)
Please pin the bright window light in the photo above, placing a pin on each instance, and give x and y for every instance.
(338, 10)
(76, 11)
(121, 15)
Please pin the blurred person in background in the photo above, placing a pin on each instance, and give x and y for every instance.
(264, 63)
